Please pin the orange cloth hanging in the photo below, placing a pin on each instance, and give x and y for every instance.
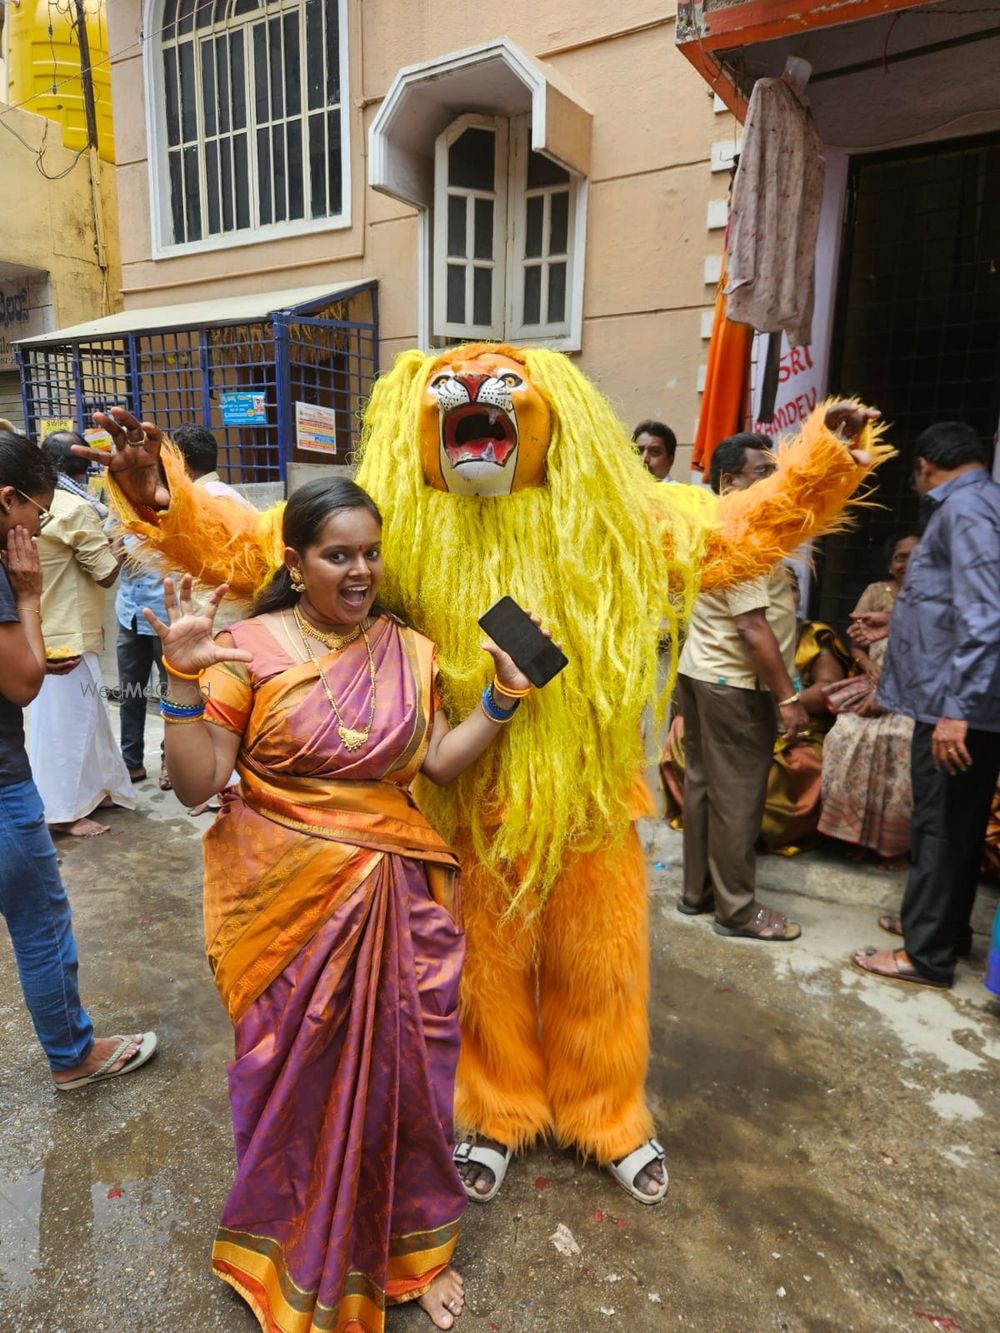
(727, 378)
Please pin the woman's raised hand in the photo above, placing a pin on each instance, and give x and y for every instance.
(187, 640)
(134, 457)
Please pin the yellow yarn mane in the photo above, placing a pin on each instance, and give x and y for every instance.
(587, 553)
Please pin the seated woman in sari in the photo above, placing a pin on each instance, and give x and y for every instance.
(867, 800)
(332, 923)
(791, 810)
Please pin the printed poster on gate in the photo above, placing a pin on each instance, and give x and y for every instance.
(316, 428)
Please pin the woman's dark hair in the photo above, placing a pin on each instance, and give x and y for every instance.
(893, 541)
(729, 455)
(57, 448)
(950, 444)
(22, 464)
(307, 510)
(661, 431)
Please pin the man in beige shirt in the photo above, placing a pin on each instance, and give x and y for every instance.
(75, 758)
(736, 663)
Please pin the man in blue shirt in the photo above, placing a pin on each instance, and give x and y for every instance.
(138, 647)
(943, 669)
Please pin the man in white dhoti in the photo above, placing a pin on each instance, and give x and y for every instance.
(75, 758)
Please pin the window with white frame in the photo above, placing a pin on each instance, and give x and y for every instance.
(506, 255)
(251, 117)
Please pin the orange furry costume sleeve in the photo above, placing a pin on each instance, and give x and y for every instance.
(804, 499)
(208, 536)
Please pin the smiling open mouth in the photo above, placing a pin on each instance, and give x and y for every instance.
(477, 434)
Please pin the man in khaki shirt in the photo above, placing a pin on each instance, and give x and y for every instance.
(75, 758)
(737, 661)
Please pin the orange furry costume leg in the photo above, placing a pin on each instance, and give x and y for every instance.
(594, 985)
(500, 1088)
(579, 1071)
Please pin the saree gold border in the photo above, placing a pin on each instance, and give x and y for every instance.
(411, 1241)
(294, 1310)
(355, 836)
(415, 1264)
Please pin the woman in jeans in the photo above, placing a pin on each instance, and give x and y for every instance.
(32, 898)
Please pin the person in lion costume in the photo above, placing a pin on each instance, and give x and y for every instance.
(505, 471)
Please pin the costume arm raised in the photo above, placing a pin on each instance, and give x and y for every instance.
(183, 526)
(805, 498)
(208, 536)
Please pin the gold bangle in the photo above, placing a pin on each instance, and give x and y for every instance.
(792, 699)
(181, 721)
(33, 609)
(510, 693)
(181, 675)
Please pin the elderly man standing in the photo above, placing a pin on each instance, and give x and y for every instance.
(737, 662)
(943, 670)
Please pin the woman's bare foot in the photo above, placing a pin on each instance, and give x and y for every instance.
(82, 828)
(99, 1052)
(474, 1175)
(444, 1298)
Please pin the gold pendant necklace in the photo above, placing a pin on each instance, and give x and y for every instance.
(352, 737)
(332, 641)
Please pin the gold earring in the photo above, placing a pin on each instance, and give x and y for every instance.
(298, 582)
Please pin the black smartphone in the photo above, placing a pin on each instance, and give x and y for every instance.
(516, 633)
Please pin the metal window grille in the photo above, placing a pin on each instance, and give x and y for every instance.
(918, 325)
(252, 108)
(324, 354)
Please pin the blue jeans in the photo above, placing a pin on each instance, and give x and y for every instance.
(34, 904)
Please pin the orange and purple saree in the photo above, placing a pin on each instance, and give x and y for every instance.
(332, 931)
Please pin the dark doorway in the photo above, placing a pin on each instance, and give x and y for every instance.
(917, 331)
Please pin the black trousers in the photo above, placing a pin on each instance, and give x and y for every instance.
(950, 815)
(136, 654)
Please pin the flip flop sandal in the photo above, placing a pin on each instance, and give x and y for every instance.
(480, 1155)
(766, 919)
(629, 1167)
(146, 1051)
(904, 972)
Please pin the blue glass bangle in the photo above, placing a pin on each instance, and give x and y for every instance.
(168, 709)
(492, 711)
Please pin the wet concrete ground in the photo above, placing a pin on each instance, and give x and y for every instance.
(832, 1140)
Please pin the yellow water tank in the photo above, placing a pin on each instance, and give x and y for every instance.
(43, 67)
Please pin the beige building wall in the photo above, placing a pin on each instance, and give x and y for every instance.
(60, 238)
(651, 258)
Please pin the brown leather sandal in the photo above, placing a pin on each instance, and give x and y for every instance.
(898, 969)
(768, 925)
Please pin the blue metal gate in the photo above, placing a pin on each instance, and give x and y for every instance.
(241, 379)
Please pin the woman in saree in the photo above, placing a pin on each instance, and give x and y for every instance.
(332, 923)
(867, 800)
(791, 809)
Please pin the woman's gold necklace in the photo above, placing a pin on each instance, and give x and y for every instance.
(332, 641)
(352, 737)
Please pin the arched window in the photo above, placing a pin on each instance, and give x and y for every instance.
(249, 116)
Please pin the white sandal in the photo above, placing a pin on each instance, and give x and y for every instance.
(629, 1167)
(480, 1155)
